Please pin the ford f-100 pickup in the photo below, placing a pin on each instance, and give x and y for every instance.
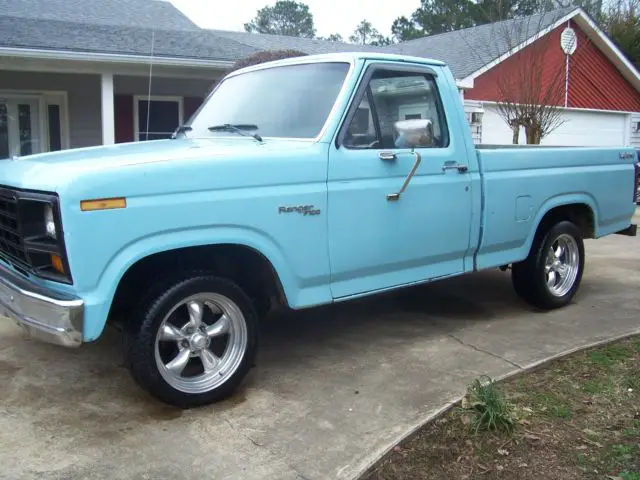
(297, 183)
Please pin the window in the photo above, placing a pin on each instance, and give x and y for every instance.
(292, 101)
(393, 96)
(157, 117)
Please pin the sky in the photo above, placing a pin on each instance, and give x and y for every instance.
(330, 16)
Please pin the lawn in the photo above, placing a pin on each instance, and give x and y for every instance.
(574, 418)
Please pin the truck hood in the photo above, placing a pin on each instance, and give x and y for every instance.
(53, 171)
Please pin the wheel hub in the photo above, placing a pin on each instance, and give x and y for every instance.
(198, 341)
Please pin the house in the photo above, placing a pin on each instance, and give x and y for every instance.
(77, 73)
(598, 89)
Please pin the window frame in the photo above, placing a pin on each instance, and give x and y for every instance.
(364, 89)
(160, 98)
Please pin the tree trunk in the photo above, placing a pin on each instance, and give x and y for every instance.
(533, 133)
(516, 134)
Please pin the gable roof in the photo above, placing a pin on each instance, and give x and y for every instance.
(132, 13)
(56, 35)
(466, 51)
(113, 27)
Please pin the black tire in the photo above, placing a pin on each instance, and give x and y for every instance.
(141, 332)
(529, 276)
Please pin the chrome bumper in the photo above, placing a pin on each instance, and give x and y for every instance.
(45, 314)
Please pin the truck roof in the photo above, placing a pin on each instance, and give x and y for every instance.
(350, 57)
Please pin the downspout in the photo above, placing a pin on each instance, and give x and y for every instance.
(566, 75)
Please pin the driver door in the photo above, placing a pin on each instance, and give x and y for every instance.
(380, 236)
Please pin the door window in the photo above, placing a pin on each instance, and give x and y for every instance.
(392, 96)
(21, 126)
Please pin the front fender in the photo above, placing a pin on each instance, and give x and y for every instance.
(298, 292)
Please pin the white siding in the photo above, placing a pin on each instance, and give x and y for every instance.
(579, 129)
(474, 113)
(83, 93)
(635, 129)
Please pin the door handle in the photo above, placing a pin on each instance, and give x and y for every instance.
(387, 156)
(392, 197)
(462, 168)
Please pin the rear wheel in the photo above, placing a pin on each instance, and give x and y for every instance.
(193, 342)
(550, 276)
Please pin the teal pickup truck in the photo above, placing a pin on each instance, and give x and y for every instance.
(297, 183)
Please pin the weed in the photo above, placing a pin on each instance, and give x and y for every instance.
(487, 404)
(630, 475)
(552, 404)
(562, 411)
(609, 356)
(594, 387)
(634, 430)
(582, 459)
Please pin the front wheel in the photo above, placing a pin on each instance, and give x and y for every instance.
(193, 342)
(550, 276)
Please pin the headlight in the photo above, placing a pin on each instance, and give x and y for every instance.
(50, 225)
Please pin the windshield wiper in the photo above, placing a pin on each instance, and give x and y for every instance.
(238, 128)
(181, 129)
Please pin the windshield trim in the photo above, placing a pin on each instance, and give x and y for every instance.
(302, 60)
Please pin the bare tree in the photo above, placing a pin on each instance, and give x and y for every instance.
(531, 85)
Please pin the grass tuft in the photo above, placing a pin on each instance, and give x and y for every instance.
(487, 405)
(610, 355)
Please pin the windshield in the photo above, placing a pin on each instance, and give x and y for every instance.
(291, 101)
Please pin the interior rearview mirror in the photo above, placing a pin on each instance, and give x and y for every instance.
(414, 133)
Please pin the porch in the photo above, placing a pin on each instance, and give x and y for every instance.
(46, 107)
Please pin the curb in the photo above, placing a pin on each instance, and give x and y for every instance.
(526, 369)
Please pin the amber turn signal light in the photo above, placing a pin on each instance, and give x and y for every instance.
(103, 204)
(56, 263)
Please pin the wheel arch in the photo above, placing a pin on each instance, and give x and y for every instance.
(183, 248)
(580, 209)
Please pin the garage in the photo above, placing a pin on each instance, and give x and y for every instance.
(579, 128)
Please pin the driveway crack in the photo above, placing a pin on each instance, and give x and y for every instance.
(300, 475)
(486, 352)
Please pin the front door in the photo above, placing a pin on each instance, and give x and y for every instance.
(377, 238)
(20, 129)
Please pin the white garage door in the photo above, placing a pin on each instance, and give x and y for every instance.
(579, 129)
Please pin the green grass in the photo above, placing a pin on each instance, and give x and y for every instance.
(630, 475)
(619, 455)
(595, 387)
(488, 407)
(610, 355)
(551, 404)
(634, 430)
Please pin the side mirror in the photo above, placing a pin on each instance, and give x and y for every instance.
(414, 133)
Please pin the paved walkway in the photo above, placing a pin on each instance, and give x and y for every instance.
(333, 389)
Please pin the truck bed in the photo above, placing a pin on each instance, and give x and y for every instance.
(520, 184)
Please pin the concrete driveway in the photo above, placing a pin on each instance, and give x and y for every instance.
(334, 387)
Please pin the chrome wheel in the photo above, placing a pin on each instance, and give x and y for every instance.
(201, 343)
(562, 265)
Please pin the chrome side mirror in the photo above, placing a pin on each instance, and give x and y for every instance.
(414, 133)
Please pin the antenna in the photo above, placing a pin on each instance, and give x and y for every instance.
(153, 41)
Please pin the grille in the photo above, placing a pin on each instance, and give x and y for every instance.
(11, 242)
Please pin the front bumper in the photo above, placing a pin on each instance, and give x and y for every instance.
(45, 314)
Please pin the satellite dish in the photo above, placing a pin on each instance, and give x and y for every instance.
(568, 41)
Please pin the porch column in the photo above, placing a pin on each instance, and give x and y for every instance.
(108, 115)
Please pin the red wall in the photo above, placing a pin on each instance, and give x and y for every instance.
(593, 81)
